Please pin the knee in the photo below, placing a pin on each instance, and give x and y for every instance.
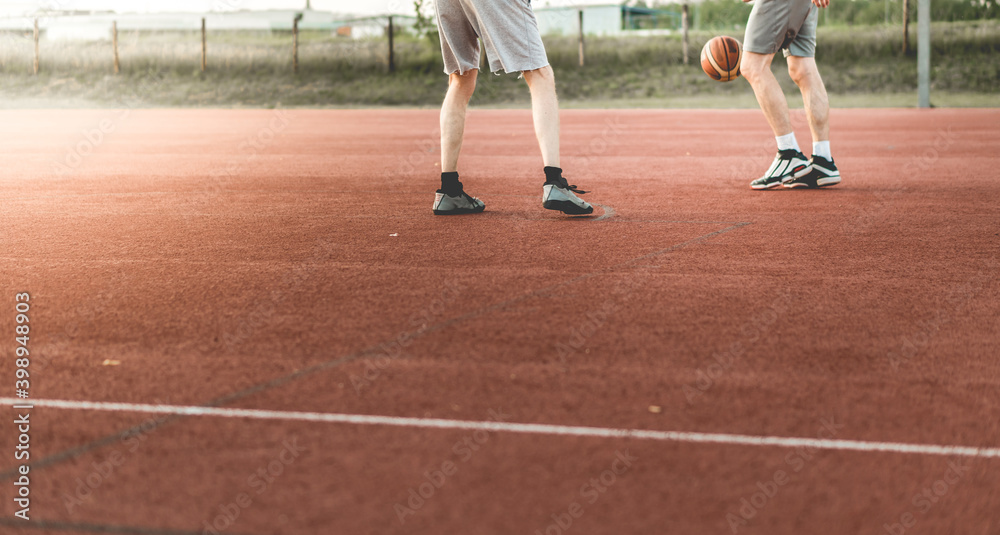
(543, 75)
(464, 85)
(753, 68)
(802, 73)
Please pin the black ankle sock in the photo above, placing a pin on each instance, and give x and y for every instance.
(450, 183)
(552, 174)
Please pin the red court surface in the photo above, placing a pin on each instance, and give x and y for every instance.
(288, 263)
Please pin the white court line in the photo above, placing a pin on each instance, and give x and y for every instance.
(537, 429)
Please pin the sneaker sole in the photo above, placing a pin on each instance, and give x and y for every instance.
(798, 174)
(460, 211)
(805, 170)
(829, 181)
(567, 207)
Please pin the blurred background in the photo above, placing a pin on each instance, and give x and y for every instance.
(339, 53)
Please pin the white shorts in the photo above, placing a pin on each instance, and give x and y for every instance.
(507, 28)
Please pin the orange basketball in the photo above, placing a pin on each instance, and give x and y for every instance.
(720, 58)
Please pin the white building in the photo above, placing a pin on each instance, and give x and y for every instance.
(605, 19)
(597, 20)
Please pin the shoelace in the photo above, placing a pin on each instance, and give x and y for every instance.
(788, 154)
(462, 194)
(562, 183)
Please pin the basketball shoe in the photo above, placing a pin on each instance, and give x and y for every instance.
(454, 203)
(788, 165)
(557, 194)
(824, 173)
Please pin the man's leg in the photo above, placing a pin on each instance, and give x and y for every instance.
(456, 103)
(824, 172)
(805, 75)
(756, 68)
(790, 163)
(557, 193)
(545, 112)
(451, 198)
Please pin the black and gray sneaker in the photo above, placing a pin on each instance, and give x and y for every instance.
(787, 166)
(460, 203)
(557, 194)
(824, 173)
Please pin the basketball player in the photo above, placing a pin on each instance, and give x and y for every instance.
(510, 35)
(789, 25)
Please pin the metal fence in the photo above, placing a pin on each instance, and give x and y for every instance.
(277, 41)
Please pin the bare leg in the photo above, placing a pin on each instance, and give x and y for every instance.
(456, 102)
(805, 75)
(545, 111)
(756, 68)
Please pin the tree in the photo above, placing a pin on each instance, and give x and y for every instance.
(425, 26)
(906, 27)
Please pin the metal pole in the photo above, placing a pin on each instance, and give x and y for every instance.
(36, 46)
(684, 27)
(204, 47)
(924, 53)
(114, 44)
(392, 52)
(580, 13)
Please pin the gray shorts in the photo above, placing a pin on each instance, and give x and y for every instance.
(507, 28)
(788, 25)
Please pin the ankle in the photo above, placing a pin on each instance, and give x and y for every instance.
(450, 184)
(552, 175)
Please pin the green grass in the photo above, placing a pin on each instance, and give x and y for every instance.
(862, 66)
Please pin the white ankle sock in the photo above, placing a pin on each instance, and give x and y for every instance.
(822, 148)
(787, 142)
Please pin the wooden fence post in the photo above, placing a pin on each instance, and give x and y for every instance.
(392, 51)
(114, 44)
(685, 26)
(204, 47)
(295, 43)
(36, 46)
